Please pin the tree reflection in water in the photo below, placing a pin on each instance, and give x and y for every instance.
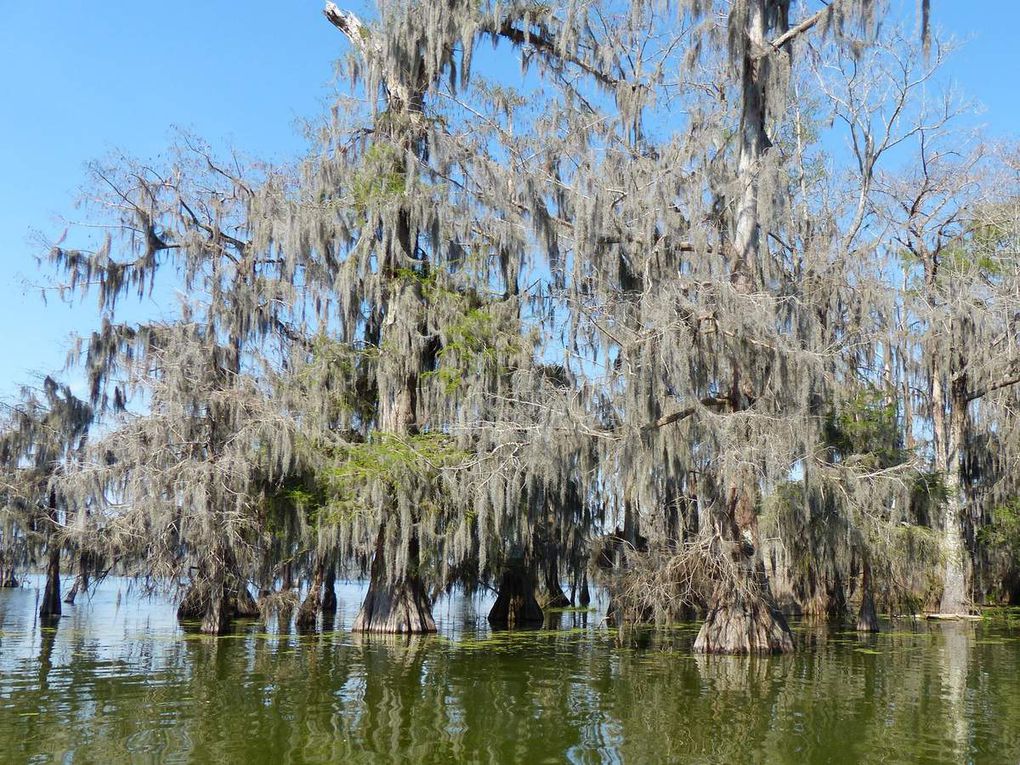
(118, 685)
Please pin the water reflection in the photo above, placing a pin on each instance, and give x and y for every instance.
(117, 681)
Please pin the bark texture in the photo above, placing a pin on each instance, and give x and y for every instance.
(50, 605)
(398, 606)
(217, 616)
(743, 617)
(867, 619)
(744, 624)
(948, 442)
(197, 605)
(584, 597)
(329, 603)
(308, 613)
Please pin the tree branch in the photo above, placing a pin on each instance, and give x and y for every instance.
(354, 29)
(982, 392)
(712, 402)
(794, 32)
(546, 43)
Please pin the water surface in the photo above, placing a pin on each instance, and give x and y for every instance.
(118, 680)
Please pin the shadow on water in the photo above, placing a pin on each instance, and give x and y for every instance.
(119, 681)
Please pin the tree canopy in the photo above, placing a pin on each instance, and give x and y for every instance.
(713, 303)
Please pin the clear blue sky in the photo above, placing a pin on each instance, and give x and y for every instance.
(80, 79)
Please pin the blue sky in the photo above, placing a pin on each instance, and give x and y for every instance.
(79, 80)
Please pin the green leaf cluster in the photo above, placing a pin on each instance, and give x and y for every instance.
(475, 343)
(380, 178)
(866, 427)
(388, 462)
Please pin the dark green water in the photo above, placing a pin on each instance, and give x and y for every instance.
(118, 681)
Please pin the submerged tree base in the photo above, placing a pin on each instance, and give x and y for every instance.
(744, 626)
(515, 604)
(556, 600)
(50, 604)
(867, 619)
(308, 613)
(329, 603)
(395, 608)
(7, 578)
(584, 597)
(321, 598)
(216, 614)
(81, 583)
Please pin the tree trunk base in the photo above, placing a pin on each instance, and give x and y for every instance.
(242, 604)
(744, 626)
(78, 585)
(554, 595)
(515, 605)
(7, 578)
(556, 600)
(395, 608)
(584, 597)
(217, 617)
(192, 605)
(867, 619)
(198, 606)
(308, 612)
(50, 605)
(329, 604)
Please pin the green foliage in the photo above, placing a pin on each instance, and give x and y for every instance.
(474, 343)
(427, 280)
(299, 493)
(866, 427)
(387, 462)
(380, 178)
(1002, 533)
(341, 375)
(969, 259)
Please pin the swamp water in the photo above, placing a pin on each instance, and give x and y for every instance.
(118, 680)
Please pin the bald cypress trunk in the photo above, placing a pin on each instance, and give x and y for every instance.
(743, 622)
(81, 583)
(329, 604)
(50, 605)
(742, 616)
(584, 597)
(867, 619)
(215, 606)
(217, 616)
(7, 575)
(86, 562)
(242, 604)
(554, 595)
(192, 605)
(398, 605)
(308, 613)
(516, 606)
(955, 591)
